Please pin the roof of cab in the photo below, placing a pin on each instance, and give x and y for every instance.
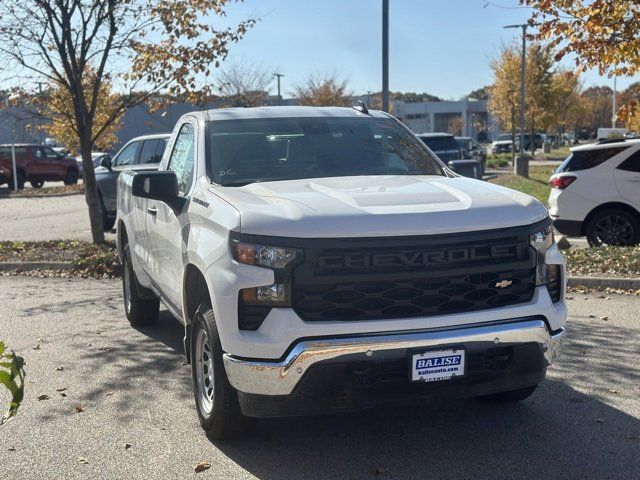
(286, 112)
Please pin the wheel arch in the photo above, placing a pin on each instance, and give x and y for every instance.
(609, 206)
(195, 291)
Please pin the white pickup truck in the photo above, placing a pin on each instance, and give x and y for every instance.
(324, 259)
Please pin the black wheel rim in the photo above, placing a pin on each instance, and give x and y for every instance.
(614, 230)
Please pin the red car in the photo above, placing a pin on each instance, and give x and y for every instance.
(36, 164)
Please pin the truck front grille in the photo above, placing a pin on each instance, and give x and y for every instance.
(393, 278)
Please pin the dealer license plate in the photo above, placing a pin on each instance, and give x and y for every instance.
(436, 365)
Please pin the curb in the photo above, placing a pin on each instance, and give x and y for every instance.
(42, 196)
(31, 266)
(604, 282)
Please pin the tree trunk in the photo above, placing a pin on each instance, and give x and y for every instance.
(91, 189)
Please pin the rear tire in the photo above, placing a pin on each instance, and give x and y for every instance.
(510, 396)
(37, 183)
(71, 178)
(613, 227)
(140, 310)
(216, 400)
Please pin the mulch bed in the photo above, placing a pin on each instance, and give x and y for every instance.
(44, 191)
(88, 260)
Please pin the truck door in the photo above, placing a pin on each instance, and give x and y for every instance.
(168, 229)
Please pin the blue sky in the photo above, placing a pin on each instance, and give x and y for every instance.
(443, 47)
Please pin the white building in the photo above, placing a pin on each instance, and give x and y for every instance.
(467, 118)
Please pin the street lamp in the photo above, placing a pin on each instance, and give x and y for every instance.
(521, 163)
(385, 55)
(278, 75)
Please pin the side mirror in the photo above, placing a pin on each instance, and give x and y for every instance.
(106, 162)
(161, 186)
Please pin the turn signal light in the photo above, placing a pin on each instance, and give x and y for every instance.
(561, 182)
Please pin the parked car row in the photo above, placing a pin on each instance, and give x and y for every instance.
(36, 164)
(461, 154)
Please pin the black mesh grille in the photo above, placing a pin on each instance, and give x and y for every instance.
(403, 277)
(368, 300)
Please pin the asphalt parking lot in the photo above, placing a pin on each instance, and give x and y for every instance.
(44, 218)
(133, 388)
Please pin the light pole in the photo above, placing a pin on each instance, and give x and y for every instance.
(385, 55)
(278, 75)
(614, 107)
(521, 163)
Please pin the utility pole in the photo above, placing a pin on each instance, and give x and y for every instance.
(385, 55)
(614, 106)
(278, 75)
(521, 164)
(40, 132)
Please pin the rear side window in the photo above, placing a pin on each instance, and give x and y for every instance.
(148, 154)
(631, 164)
(586, 159)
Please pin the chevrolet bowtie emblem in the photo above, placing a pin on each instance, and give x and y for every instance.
(503, 283)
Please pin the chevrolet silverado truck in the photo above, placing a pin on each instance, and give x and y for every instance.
(324, 259)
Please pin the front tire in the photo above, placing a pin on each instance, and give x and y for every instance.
(510, 396)
(140, 310)
(216, 400)
(613, 227)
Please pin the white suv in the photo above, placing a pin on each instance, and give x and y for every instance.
(596, 193)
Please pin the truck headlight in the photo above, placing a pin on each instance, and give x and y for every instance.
(277, 258)
(548, 275)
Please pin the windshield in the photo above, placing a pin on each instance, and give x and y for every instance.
(268, 149)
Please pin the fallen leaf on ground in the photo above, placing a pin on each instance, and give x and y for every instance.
(592, 316)
(61, 389)
(83, 460)
(44, 397)
(599, 420)
(59, 369)
(108, 394)
(613, 390)
(12, 449)
(79, 408)
(127, 446)
(201, 467)
(62, 394)
(605, 318)
(380, 470)
(37, 347)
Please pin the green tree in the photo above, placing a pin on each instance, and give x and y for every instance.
(144, 48)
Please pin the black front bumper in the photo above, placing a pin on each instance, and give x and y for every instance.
(348, 384)
(570, 228)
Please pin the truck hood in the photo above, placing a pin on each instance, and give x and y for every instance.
(372, 206)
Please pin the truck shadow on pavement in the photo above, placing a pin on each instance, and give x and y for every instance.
(558, 433)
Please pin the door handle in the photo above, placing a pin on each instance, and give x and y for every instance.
(152, 210)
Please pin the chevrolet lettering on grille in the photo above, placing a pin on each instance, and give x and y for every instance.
(418, 258)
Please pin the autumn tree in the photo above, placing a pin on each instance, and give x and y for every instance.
(141, 47)
(598, 108)
(323, 92)
(602, 34)
(56, 106)
(244, 85)
(504, 98)
(567, 104)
